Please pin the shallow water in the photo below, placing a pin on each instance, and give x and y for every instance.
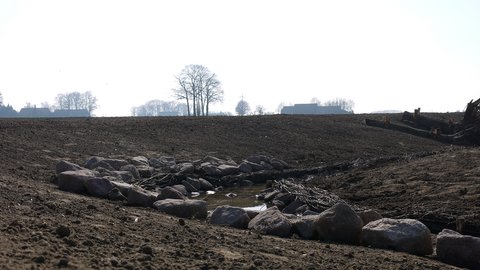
(245, 197)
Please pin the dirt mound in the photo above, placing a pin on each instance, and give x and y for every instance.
(44, 228)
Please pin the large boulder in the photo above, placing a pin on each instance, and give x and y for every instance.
(92, 161)
(183, 208)
(230, 216)
(405, 235)
(226, 169)
(122, 187)
(74, 181)
(193, 182)
(368, 216)
(205, 185)
(102, 164)
(272, 222)
(139, 161)
(163, 162)
(210, 169)
(125, 176)
(305, 226)
(181, 189)
(459, 250)
(170, 193)
(245, 168)
(98, 186)
(185, 168)
(254, 166)
(116, 164)
(132, 169)
(340, 224)
(64, 166)
(140, 197)
(145, 171)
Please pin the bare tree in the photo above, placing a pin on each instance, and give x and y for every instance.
(344, 104)
(242, 108)
(316, 101)
(199, 87)
(76, 101)
(159, 107)
(259, 110)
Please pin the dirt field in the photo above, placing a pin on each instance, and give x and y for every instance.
(105, 234)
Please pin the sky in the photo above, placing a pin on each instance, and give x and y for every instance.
(382, 54)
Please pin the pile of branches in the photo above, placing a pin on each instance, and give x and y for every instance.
(315, 198)
(466, 132)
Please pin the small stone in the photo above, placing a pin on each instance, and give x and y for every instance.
(62, 231)
(63, 262)
(181, 222)
(91, 207)
(114, 262)
(147, 250)
(39, 259)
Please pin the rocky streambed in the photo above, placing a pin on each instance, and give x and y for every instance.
(292, 210)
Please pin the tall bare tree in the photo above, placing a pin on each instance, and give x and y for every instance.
(76, 101)
(199, 87)
(160, 108)
(344, 104)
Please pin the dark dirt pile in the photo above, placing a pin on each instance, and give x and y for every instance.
(44, 228)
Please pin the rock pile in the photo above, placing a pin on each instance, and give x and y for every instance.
(325, 218)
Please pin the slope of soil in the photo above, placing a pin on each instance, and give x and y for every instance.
(35, 215)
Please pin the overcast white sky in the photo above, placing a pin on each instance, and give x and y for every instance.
(381, 54)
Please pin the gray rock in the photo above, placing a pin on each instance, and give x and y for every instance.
(74, 181)
(279, 204)
(272, 222)
(116, 164)
(255, 166)
(122, 187)
(213, 160)
(305, 226)
(405, 235)
(368, 216)
(163, 162)
(293, 207)
(230, 216)
(194, 183)
(98, 186)
(210, 169)
(245, 168)
(205, 185)
(116, 195)
(64, 166)
(185, 168)
(183, 208)
(103, 164)
(266, 166)
(459, 250)
(139, 161)
(132, 169)
(145, 171)
(92, 161)
(228, 169)
(181, 189)
(276, 164)
(339, 223)
(170, 193)
(271, 195)
(124, 176)
(189, 187)
(140, 197)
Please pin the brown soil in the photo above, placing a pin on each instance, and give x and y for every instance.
(105, 234)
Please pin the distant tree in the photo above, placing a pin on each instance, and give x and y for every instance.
(1, 99)
(76, 101)
(242, 108)
(316, 101)
(159, 107)
(199, 87)
(344, 104)
(45, 104)
(259, 110)
(29, 105)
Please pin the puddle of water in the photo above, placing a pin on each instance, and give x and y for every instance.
(245, 197)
